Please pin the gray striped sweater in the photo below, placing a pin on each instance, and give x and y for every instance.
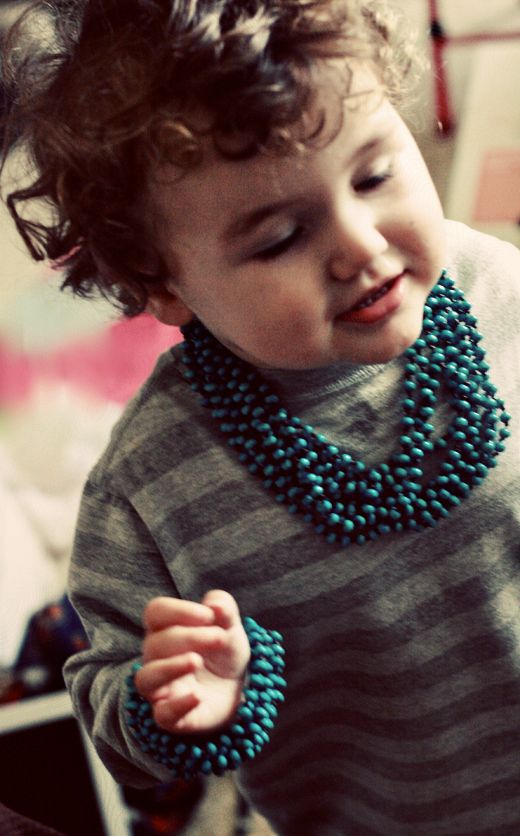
(403, 655)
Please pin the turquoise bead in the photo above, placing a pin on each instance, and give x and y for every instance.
(371, 493)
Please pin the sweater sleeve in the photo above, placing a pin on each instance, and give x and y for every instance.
(116, 569)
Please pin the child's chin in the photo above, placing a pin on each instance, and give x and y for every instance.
(395, 349)
(409, 336)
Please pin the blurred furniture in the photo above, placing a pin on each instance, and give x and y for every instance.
(52, 773)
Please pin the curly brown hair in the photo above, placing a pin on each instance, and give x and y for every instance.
(110, 92)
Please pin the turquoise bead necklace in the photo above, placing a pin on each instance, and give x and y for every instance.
(344, 499)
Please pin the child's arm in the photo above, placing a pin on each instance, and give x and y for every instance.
(116, 574)
(195, 657)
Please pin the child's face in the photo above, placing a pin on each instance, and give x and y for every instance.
(301, 262)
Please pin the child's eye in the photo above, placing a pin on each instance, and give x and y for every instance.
(280, 247)
(368, 184)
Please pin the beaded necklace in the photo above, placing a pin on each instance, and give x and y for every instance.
(344, 499)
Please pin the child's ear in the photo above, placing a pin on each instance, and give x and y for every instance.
(167, 306)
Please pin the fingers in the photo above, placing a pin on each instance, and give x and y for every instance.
(169, 687)
(177, 640)
(217, 606)
(164, 612)
(169, 714)
(224, 608)
(159, 674)
(212, 629)
(195, 656)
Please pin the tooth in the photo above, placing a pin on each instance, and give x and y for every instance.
(371, 299)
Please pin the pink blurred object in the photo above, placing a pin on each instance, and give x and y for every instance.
(498, 191)
(111, 365)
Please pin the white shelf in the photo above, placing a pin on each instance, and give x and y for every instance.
(32, 711)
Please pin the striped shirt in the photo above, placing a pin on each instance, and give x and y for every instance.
(402, 713)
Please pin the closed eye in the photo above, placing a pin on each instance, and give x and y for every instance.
(280, 247)
(373, 182)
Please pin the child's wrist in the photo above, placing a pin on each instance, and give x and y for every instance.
(231, 745)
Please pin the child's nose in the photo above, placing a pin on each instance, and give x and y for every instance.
(356, 242)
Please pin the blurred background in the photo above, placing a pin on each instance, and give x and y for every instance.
(67, 367)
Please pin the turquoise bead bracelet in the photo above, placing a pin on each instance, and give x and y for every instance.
(187, 756)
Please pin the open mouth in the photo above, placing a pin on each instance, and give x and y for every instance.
(373, 297)
(377, 305)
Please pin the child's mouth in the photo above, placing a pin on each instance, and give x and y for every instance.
(377, 305)
(369, 300)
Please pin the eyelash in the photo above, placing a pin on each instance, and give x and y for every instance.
(280, 247)
(373, 182)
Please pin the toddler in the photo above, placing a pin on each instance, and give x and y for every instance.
(298, 557)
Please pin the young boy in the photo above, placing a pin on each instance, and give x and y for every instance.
(328, 451)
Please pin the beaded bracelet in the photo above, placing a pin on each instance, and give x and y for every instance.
(190, 755)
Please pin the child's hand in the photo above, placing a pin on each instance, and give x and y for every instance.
(195, 658)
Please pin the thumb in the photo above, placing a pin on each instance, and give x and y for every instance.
(233, 657)
(224, 607)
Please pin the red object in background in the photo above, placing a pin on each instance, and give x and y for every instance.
(111, 364)
(440, 39)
